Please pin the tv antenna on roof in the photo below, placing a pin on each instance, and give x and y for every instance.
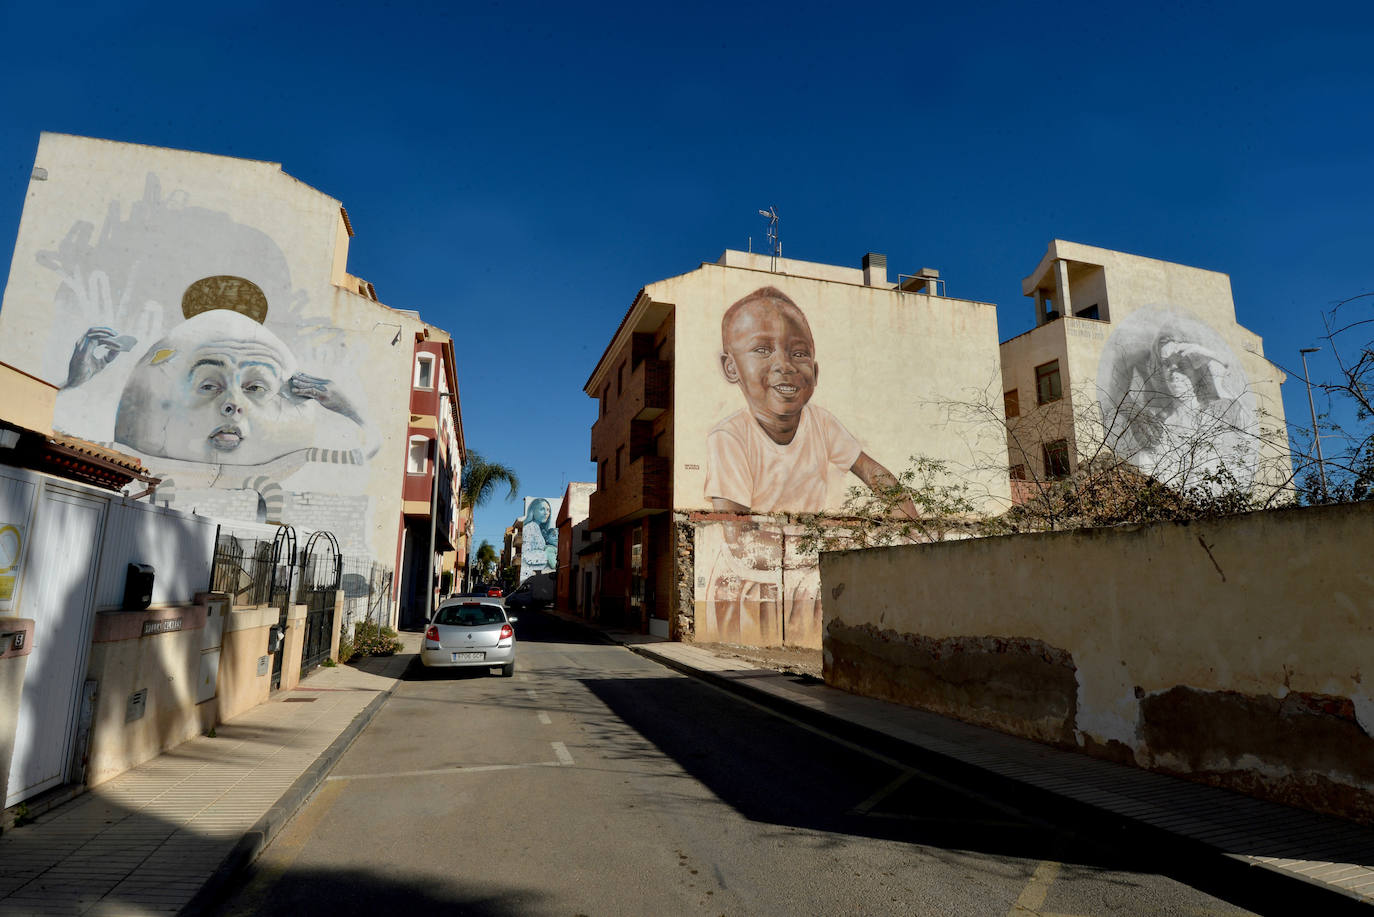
(774, 244)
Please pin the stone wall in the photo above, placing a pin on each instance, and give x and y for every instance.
(1233, 651)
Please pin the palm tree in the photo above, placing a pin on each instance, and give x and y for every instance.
(480, 478)
(486, 560)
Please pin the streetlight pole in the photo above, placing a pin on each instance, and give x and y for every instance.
(1316, 434)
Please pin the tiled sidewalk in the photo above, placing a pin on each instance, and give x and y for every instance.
(149, 840)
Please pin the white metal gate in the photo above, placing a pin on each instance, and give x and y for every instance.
(58, 592)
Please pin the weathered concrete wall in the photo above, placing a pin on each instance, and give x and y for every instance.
(156, 655)
(1233, 651)
(245, 668)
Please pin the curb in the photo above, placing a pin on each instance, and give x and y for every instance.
(237, 861)
(1255, 886)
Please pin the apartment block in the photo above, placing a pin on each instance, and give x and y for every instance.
(1143, 360)
(717, 434)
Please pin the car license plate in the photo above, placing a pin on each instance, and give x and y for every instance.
(469, 657)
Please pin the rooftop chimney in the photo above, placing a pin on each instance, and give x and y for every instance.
(875, 270)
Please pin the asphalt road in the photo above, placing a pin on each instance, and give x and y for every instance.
(599, 782)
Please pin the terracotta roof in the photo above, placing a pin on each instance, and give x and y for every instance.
(95, 450)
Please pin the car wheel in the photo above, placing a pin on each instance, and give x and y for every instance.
(508, 670)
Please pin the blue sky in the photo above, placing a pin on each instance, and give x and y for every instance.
(517, 171)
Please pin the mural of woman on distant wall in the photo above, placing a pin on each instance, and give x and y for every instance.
(539, 549)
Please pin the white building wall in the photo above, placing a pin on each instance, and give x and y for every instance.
(114, 235)
(179, 546)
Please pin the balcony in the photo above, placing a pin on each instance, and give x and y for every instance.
(649, 389)
(647, 394)
(646, 486)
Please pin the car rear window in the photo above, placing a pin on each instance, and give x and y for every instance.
(470, 615)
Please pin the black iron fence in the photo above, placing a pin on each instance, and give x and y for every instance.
(319, 584)
(366, 587)
(243, 570)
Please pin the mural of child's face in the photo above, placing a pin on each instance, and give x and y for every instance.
(769, 353)
(214, 391)
(541, 512)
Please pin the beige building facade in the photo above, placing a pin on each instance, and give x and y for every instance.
(1141, 359)
(718, 431)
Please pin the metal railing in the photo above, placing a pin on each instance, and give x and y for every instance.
(243, 570)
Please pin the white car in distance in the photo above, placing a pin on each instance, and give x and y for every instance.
(470, 633)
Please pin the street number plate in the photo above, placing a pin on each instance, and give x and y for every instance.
(468, 657)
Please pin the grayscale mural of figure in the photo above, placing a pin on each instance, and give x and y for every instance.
(1175, 400)
(219, 388)
(221, 391)
(188, 338)
(539, 547)
(777, 454)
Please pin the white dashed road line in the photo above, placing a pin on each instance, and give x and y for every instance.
(565, 758)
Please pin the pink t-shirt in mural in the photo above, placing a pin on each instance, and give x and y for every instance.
(748, 468)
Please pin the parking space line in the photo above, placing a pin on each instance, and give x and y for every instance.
(530, 692)
(1032, 897)
(544, 719)
(565, 758)
(883, 792)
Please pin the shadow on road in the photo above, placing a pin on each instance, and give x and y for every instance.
(775, 771)
(771, 770)
(347, 892)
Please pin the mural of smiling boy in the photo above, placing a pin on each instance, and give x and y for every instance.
(775, 455)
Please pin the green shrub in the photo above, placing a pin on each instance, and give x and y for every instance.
(346, 651)
(371, 640)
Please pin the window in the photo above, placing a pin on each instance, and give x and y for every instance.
(601, 475)
(1047, 386)
(1018, 472)
(605, 397)
(620, 380)
(1011, 402)
(417, 458)
(424, 371)
(1057, 459)
(619, 460)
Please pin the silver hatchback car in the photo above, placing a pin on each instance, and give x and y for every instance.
(470, 634)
